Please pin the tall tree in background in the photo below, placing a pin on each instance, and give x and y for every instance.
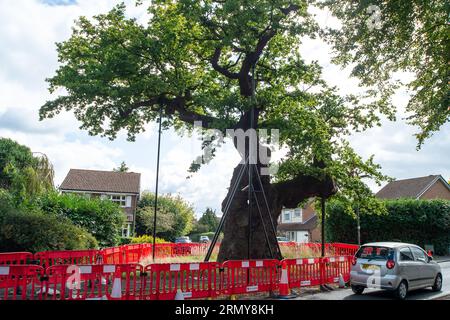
(209, 219)
(381, 37)
(23, 173)
(193, 60)
(122, 168)
(175, 216)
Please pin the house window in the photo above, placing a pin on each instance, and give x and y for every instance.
(292, 236)
(287, 215)
(298, 212)
(120, 200)
(126, 230)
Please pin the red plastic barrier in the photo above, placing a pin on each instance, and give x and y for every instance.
(51, 258)
(20, 282)
(344, 249)
(304, 272)
(132, 253)
(249, 276)
(195, 280)
(15, 258)
(336, 266)
(93, 282)
(112, 255)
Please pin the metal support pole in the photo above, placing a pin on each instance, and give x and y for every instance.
(226, 210)
(157, 182)
(358, 225)
(322, 202)
(268, 212)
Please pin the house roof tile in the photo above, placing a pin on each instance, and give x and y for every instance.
(407, 188)
(102, 181)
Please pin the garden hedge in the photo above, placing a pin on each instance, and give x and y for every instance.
(408, 220)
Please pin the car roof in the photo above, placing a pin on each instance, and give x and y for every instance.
(389, 244)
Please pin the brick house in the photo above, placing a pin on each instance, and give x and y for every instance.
(120, 187)
(299, 224)
(428, 187)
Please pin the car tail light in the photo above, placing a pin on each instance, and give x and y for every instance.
(354, 260)
(390, 264)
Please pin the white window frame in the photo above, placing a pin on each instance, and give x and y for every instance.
(126, 230)
(286, 215)
(122, 199)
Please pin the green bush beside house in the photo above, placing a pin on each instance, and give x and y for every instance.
(35, 231)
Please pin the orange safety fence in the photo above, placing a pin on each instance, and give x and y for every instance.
(21, 282)
(163, 281)
(249, 276)
(93, 282)
(15, 258)
(304, 272)
(135, 253)
(51, 258)
(194, 280)
(334, 267)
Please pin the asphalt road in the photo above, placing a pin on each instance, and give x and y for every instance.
(374, 294)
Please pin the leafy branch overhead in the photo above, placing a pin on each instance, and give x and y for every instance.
(193, 59)
(410, 36)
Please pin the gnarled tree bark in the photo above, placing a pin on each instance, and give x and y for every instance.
(289, 194)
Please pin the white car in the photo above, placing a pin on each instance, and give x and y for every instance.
(399, 267)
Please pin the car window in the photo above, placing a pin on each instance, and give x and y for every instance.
(419, 254)
(375, 252)
(406, 254)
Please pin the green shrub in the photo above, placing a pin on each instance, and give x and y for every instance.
(124, 241)
(174, 218)
(407, 220)
(147, 239)
(102, 218)
(34, 231)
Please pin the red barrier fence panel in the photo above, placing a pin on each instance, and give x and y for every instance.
(195, 280)
(93, 282)
(51, 258)
(249, 276)
(112, 255)
(344, 249)
(336, 266)
(131, 253)
(20, 282)
(303, 272)
(15, 258)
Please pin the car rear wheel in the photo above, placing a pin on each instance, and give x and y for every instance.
(357, 289)
(402, 290)
(437, 283)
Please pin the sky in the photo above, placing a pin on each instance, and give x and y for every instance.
(28, 33)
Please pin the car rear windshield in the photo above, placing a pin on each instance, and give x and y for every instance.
(375, 252)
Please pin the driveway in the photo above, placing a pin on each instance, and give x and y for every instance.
(374, 294)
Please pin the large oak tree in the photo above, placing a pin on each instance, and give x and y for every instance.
(194, 60)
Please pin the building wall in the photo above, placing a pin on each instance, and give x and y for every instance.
(292, 217)
(315, 234)
(437, 191)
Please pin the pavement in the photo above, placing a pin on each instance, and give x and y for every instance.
(374, 294)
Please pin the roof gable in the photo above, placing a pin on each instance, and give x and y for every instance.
(102, 181)
(409, 188)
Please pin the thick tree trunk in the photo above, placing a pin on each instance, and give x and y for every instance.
(235, 244)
